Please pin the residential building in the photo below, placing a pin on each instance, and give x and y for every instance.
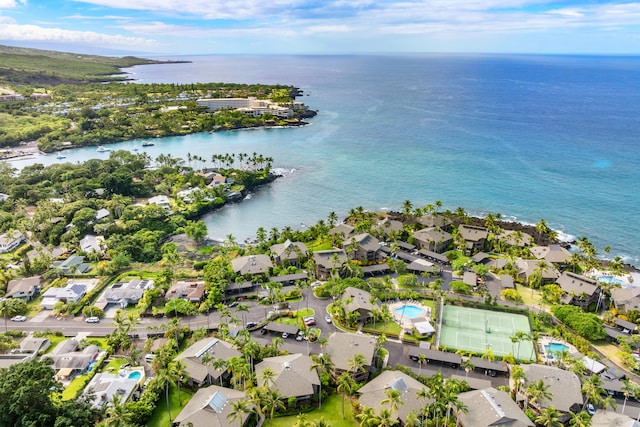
(293, 376)
(579, 290)
(329, 262)
(73, 292)
(364, 247)
(555, 254)
(102, 213)
(606, 418)
(104, 386)
(515, 238)
(10, 241)
(435, 220)
(358, 301)
(474, 236)
(375, 391)
(68, 361)
(433, 239)
(211, 406)
(252, 265)
(288, 253)
(126, 293)
(91, 243)
(564, 387)
(25, 288)
(191, 291)
(342, 231)
(195, 356)
(388, 227)
(528, 267)
(625, 299)
(72, 265)
(161, 200)
(490, 407)
(343, 346)
(250, 106)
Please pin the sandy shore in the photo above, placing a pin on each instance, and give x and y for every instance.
(24, 150)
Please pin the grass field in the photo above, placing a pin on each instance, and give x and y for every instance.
(160, 417)
(476, 330)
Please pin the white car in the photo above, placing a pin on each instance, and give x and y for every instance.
(285, 335)
(327, 318)
(18, 319)
(93, 319)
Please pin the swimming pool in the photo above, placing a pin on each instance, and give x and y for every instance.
(609, 279)
(409, 311)
(134, 375)
(555, 348)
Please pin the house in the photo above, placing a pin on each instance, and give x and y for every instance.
(491, 407)
(126, 293)
(515, 238)
(73, 292)
(293, 376)
(73, 265)
(252, 265)
(343, 346)
(625, 299)
(329, 262)
(564, 387)
(342, 231)
(555, 254)
(433, 239)
(191, 291)
(474, 236)
(375, 391)
(196, 359)
(364, 247)
(528, 267)
(626, 327)
(211, 406)
(358, 301)
(606, 418)
(435, 220)
(105, 385)
(420, 266)
(69, 361)
(101, 214)
(579, 290)
(288, 253)
(24, 288)
(161, 200)
(10, 241)
(250, 106)
(388, 227)
(91, 243)
(3, 197)
(34, 345)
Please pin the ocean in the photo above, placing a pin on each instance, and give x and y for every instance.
(528, 136)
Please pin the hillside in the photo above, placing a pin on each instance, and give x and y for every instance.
(22, 66)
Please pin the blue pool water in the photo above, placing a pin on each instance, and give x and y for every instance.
(408, 311)
(134, 375)
(555, 348)
(609, 279)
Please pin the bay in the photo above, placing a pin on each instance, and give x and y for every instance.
(529, 136)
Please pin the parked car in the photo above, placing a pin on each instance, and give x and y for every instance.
(591, 409)
(309, 321)
(93, 319)
(18, 319)
(327, 318)
(285, 335)
(233, 304)
(263, 331)
(251, 325)
(299, 338)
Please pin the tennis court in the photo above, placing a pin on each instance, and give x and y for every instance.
(476, 330)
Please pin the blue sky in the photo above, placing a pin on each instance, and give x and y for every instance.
(171, 27)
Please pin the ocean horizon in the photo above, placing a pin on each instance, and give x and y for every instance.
(528, 136)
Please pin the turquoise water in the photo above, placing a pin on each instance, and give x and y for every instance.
(531, 137)
(555, 348)
(609, 279)
(409, 311)
(134, 375)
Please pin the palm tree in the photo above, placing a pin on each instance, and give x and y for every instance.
(422, 359)
(628, 388)
(367, 417)
(238, 409)
(537, 391)
(592, 390)
(580, 419)
(178, 370)
(468, 366)
(393, 399)
(268, 377)
(345, 387)
(270, 402)
(117, 414)
(322, 364)
(549, 417)
(357, 364)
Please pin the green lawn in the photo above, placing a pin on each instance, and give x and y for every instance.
(160, 417)
(331, 411)
(75, 386)
(55, 340)
(379, 328)
(296, 321)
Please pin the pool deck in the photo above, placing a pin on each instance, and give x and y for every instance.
(545, 340)
(404, 322)
(627, 280)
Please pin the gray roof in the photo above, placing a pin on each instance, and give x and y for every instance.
(344, 229)
(192, 358)
(372, 393)
(551, 253)
(79, 360)
(513, 238)
(106, 385)
(626, 298)
(432, 234)
(387, 225)
(473, 233)
(366, 241)
(528, 266)
(360, 299)
(293, 374)
(577, 284)
(439, 356)
(281, 327)
(287, 250)
(31, 344)
(252, 264)
(289, 277)
(491, 407)
(605, 418)
(434, 220)
(564, 386)
(626, 325)
(481, 363)
(342, 346)
(472, 382)
(24, 285)
(325, 258)
(209, 407)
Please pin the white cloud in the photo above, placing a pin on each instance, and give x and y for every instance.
(16, 32)
(10, 4)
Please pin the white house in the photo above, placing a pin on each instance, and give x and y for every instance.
(8, 242)
(161, 200)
